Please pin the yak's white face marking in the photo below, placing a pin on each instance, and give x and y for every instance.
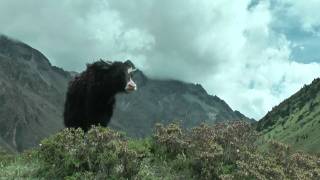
(131, 86)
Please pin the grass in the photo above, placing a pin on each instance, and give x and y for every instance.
(296, 121)
(301, 129)
(17, 166)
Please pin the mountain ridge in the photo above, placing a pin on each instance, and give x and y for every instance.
(30, 95)
(192, 105)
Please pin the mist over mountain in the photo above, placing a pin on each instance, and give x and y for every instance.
(32, 93)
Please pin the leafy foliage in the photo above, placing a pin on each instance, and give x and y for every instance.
(102, 152)
(221, 151)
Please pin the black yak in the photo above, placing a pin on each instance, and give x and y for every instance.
(90, 97)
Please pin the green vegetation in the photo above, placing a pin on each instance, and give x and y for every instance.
(221, 151)
(17, 166)
(296, 121)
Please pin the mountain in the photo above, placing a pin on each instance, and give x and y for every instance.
(165, 101)
(296, 121)
(32, 93)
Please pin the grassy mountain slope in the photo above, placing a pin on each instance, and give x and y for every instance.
(296, 121)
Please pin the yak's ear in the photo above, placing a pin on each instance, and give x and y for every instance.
(130, 65)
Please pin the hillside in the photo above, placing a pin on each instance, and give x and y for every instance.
(164, 101)
(32, 95)
(296, 121)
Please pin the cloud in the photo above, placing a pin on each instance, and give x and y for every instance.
(69, 32)
(231, 47)
(306, 13)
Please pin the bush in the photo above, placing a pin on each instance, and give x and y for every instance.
(229, 151)
(220, 151)
(102, 152)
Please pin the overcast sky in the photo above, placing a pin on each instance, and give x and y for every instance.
(251, 53)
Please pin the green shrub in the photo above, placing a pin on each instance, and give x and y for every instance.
(229, 151)
(102, 152)
(220, 151)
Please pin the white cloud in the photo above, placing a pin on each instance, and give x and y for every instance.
(306, 12)
(72, 33)
(262, 74)
(229, 48)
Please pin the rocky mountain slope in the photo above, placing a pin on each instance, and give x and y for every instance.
(32, 94)
(296, 120)
(164, 101)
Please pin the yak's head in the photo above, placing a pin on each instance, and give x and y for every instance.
(129, 69)
(117, 76)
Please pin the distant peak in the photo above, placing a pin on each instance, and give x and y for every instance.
(22, 52)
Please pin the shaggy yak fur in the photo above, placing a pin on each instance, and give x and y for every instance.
(90, 97)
